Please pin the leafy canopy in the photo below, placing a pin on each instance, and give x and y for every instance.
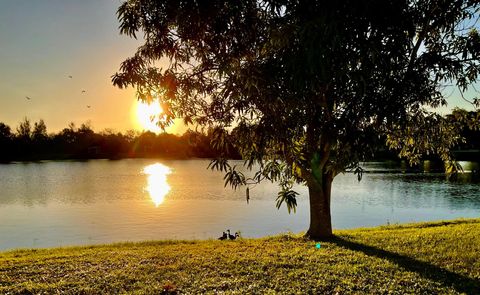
(306, 86)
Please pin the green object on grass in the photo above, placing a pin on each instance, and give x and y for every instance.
(369, 261)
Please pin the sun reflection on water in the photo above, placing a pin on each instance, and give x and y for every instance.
(157, 185)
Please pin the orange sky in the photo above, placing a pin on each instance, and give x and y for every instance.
(45, 42)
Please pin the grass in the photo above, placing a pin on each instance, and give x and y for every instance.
(424, 258)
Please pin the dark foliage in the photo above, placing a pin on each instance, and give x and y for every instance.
(84, 143)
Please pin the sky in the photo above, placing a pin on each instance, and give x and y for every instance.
(44, 42)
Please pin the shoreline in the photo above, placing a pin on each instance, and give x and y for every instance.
(428, 257)
(393, 226)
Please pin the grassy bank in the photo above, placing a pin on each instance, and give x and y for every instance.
(425, 258)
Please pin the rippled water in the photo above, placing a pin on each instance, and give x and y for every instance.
(100, 201)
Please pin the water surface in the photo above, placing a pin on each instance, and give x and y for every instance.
(100, 201)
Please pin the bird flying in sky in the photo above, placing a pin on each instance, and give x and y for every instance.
(70, 77)
(83, 91)
(28, 97)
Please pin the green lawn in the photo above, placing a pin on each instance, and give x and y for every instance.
(424, 258)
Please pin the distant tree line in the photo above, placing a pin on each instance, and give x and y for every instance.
(32, 142)
(469, 125)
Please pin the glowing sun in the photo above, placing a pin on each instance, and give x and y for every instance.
(147, 115)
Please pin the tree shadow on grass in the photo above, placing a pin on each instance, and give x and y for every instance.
(459, 282)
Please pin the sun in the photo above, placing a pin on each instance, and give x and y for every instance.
(142, 113)
(147, 115)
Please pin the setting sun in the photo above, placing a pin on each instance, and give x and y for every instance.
(145, 118)
(147, 115)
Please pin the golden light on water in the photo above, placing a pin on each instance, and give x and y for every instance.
(147, 116)
(157, 185)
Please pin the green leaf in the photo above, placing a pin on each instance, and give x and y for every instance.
(289, 198)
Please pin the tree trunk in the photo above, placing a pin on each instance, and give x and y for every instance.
(320, 218)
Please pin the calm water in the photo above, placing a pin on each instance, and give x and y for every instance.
(72, 203)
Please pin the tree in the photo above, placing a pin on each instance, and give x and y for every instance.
(5, 132)
(468, 126)
(23, 139)
(5, 142)
(40, 140)
(305, 85)
(39, 133)
(24, 130)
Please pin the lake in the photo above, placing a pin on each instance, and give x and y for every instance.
(52, 203)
